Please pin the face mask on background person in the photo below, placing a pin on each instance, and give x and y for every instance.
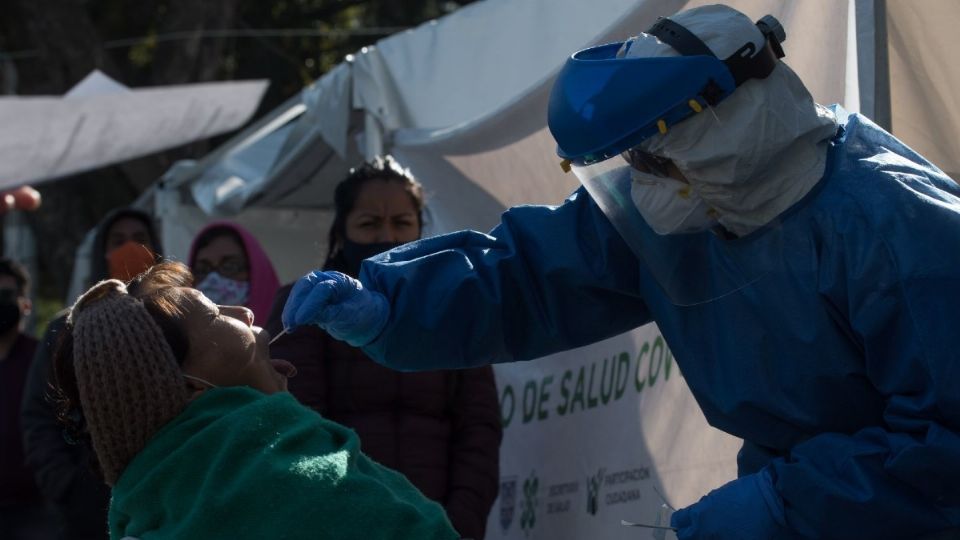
(354, 253)
(224, 291)
(10, 313)
(669, 206)
(129, 260)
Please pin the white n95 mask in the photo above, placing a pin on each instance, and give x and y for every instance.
(669, 206)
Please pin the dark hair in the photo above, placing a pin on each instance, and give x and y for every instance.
(10, 267)
(345, 197)
(212, 234)
(159, 290)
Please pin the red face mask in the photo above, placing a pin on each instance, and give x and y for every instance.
(129, 260)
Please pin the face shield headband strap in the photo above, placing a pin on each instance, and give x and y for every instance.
(744, 64)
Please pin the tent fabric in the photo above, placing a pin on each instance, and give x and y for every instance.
(446, 87)
(95, 83)
(924, 79)
(43, 138)
(467, 64)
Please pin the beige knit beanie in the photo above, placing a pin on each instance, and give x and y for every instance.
(129, 382)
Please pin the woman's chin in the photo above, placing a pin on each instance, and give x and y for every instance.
(283, 367)
(284, 370)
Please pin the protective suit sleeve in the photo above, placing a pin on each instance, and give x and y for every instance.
(896, 294)
(546, 279)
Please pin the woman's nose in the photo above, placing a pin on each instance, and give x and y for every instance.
(240, 313)
(386, 234)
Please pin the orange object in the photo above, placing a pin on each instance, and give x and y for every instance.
(129, 260)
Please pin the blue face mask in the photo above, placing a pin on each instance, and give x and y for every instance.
(224, 291)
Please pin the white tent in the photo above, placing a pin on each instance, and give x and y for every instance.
(462, 102)
(100, 122)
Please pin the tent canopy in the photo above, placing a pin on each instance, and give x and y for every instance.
(100, 122)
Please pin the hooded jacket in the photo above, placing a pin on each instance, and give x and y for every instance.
(99, 268)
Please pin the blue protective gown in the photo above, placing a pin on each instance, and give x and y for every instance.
(840, 367)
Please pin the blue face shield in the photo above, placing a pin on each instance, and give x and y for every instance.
(602, 105)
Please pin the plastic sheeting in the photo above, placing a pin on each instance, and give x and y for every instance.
(43, 138)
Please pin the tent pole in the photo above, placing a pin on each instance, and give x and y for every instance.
(882, 60)
(373, 137)
(873, 62)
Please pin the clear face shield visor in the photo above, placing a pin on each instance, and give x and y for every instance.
(673, 232)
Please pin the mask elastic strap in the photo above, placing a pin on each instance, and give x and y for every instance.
(198, 379)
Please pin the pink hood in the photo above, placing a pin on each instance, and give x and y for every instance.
(263, 278)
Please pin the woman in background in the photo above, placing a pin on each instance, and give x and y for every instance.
(441, 429)
(231, 268)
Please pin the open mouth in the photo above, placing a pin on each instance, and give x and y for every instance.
(283, 367)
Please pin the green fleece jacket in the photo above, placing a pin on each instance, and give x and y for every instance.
(240, 464)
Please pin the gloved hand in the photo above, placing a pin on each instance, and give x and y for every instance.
(747, 508)
(339, 304)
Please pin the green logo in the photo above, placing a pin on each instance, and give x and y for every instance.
(593, 491)
(528, 515)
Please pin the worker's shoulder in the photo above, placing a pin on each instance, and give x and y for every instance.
(872, 171)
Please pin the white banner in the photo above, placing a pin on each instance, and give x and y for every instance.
(601, 434)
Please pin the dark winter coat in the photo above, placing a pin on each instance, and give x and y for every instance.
(441, 429)
(62, 468)
(17, 486)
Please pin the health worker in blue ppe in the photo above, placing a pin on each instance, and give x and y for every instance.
(802, 264)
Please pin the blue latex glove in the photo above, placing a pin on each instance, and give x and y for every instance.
(339, 304)
(747, 508)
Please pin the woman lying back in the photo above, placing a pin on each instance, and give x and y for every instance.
(197, 437)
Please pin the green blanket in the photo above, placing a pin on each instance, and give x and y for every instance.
(240, 464)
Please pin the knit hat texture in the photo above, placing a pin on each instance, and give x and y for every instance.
(129, 382)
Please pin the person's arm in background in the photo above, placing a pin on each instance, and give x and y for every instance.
(546, 279)
(304, 348)
(45, 449)
(474, 475)
(63, 470)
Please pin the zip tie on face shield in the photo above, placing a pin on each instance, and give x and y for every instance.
(565, 165)
(695, 105)
(662, 126)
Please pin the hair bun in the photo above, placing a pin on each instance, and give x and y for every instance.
(107, 288)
